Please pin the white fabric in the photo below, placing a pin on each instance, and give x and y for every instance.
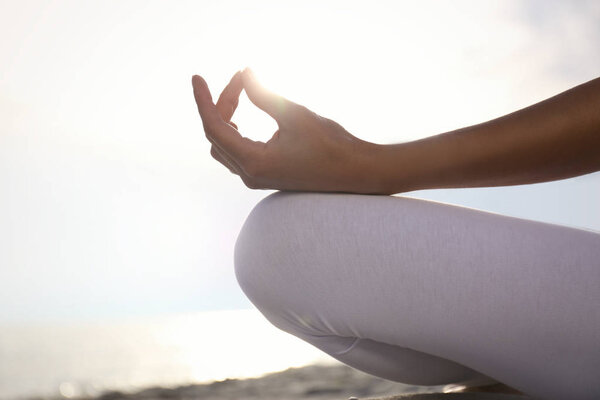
(427, 293)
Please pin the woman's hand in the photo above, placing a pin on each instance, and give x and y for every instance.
(554, 139)
(307, 152)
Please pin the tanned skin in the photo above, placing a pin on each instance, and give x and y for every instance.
(554, 139)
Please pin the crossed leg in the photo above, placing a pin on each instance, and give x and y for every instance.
(428, 293)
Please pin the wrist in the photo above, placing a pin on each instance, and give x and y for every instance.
(397, 168)
(409, 166)
(393, 168)
(387, 169)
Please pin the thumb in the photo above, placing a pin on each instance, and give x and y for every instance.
(269, 102)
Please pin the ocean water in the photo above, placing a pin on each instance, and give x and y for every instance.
(87, 358)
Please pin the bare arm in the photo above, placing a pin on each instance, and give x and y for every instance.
(554, 139)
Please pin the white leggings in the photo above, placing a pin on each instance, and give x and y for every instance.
(427, 293)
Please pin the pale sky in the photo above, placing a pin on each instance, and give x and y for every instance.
(111, 204)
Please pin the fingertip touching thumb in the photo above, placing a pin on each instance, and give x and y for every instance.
(267, 101)
(249, 79)
(249, 73)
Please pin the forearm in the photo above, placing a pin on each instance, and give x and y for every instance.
(554, 139)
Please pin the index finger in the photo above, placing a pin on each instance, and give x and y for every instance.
(228, 100)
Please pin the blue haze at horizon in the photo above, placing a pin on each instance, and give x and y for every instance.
(112, 206)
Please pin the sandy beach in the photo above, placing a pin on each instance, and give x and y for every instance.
(321, 382)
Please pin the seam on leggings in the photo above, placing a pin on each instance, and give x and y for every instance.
(353, 345)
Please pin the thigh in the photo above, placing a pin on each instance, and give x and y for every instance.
(514, 299)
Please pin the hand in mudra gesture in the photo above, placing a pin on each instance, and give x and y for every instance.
(554, 139)
(306, 153)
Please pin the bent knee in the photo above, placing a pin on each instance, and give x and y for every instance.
(274, 258)
(264, 250)
(291, 257)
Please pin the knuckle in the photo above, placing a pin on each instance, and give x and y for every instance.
(251, 169)
(214, 153)
(254, 163)
(254, 168)
(207, 130)
(250, 183)
(302, 110)
(299, 114)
